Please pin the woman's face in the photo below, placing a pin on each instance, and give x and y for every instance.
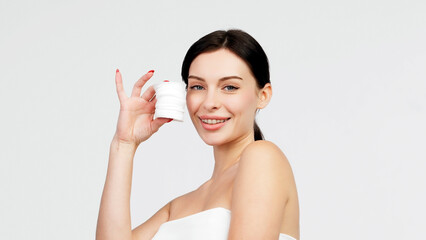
(222, 97)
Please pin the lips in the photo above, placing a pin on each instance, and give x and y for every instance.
(213, 117)
(213, 122)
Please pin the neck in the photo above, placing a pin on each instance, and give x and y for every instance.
(227, 155)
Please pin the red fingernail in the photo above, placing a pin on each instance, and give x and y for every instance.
(150, 71)
(116, 70)
(166, 81)
(170, 120)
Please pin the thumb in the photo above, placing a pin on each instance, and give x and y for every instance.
(158, 122)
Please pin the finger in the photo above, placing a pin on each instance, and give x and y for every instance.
(119, 86)
(151, 106)
(140, 83)
(149, 94)
(158, 122)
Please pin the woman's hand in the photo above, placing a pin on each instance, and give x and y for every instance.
(135, 122)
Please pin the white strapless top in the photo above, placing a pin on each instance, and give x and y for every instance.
(211, 224)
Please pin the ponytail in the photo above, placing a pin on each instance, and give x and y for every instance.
(257, 133)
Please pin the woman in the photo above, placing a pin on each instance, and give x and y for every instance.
(227, 79)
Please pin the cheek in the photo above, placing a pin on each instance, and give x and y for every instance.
(244, 104)
(192, 103)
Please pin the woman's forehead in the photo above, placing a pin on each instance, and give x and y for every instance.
(219, 64)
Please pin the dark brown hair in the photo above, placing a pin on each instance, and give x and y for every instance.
(240, 43)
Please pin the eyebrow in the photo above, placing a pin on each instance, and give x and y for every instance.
(221, 79)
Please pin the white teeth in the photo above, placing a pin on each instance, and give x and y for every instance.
(212, 121)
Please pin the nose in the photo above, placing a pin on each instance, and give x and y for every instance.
(212, 100)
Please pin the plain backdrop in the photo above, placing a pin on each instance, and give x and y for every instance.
(348, 109)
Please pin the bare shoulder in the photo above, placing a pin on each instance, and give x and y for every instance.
(265, 157)
(263, 149)
(262, 188)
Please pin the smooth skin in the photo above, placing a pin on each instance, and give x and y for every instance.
(261, 192)
(251, 178)
(135, 125)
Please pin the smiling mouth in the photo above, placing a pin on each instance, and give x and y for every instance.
(214, 121)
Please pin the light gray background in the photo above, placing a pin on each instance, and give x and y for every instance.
(348, 109)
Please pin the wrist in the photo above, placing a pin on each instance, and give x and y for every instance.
(120, 144)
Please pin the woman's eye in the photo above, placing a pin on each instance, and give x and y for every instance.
(196, 87)
(230, 88)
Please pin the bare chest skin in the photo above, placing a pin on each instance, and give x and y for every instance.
(218, 193)
(211, 194)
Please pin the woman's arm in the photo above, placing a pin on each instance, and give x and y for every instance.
(114, 213)
(135, 124)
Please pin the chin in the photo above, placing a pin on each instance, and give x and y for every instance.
(214, 140)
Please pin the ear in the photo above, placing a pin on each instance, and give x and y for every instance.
(264, 96)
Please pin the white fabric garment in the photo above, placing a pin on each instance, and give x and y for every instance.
(211, 224)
